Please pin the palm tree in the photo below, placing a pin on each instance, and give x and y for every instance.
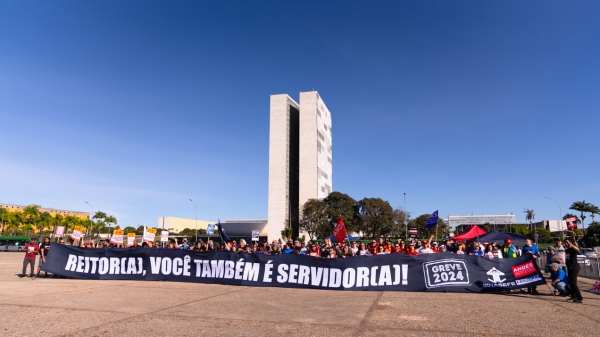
(530, 215)
(4, 218)
(32, 214)
(110, 220)
(581, 206)
(593, 209)
(43, 221)
(14, 222)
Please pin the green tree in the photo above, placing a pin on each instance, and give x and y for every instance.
(400, 219)
(592, 236)
(15, 222)
(129, 229)
(544, 235)
(314, 219)
(519, 230)
(140, 230)
(530, 216)
(594, 210)
(487, 227)
(336, 204)
(44, 220)
(420, 222)
(110, 220)
(287, 233)
(377, 217)
(582, 207)
(188, 232)
(32, 214)
(3, 219)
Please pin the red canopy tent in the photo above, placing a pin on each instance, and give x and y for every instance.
(469, 234)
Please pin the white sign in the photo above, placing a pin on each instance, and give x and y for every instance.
(557, 226)
(255, 235)
(130, 238)
(210, 229)
(117, 237)
(149, 235)
(76, 235)
(60, 231)
(164, 236)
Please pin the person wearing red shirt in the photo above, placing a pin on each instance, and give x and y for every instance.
(411, 250)
(31, 251)
(434, 247)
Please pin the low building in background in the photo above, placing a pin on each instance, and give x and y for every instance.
(463, 222)
(52, 211)
(179, 224)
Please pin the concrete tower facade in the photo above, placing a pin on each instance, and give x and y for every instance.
(300, 158)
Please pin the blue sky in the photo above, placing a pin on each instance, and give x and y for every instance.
(480, 107)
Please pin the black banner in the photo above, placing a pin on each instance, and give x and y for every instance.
(397, 272)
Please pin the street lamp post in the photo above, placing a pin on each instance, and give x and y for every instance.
(91, 215)
(196, 220)
(405, 218)
(559, 219)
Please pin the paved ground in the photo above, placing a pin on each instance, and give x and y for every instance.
(63, 307)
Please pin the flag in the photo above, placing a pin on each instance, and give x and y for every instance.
(432, 221)
(222, 234)
(339, 231)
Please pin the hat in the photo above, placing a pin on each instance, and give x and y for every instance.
(434, 243)
(296, 241)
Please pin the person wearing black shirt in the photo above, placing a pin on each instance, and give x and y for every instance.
(573, 267)
(44, 250)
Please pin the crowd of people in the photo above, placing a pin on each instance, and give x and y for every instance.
(561, 260)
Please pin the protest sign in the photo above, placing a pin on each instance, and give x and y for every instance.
(60, 231)
(255, 234)
(444, 272)
(210, 229)
(130, 238)
(164, 236)
(117, 237)
(77, 232)
(149, 235)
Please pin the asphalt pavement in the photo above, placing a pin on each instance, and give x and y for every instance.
(67, 307)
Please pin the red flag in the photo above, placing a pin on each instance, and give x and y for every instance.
(339, 232)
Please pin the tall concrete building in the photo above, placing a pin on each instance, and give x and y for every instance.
(300, 159)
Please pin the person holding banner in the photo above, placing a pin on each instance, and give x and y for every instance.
(573, 267)
(44, 249)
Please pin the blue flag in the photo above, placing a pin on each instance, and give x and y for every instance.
(432, 221)
(223, 234)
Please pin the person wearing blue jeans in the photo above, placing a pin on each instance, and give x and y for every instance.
(559, 279)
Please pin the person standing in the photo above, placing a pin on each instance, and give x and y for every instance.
(31, 251)
(529, 248)
(573, 268)
(508, 250)
(44, 250)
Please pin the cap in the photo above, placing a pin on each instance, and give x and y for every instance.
(508, 241)
(434, 243)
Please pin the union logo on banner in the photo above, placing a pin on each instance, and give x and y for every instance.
(523, 269)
